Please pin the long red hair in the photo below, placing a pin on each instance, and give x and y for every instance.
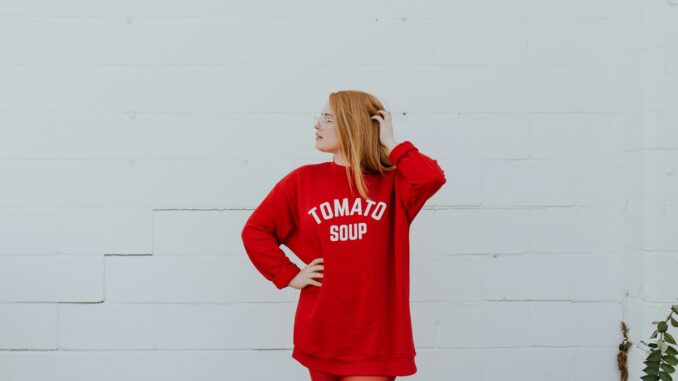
(358, 136)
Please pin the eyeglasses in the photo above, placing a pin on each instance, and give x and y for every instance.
(323, 119)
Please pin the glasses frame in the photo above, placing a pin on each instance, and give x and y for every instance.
(323, 119)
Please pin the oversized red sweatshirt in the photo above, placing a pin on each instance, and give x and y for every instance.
(358, 322)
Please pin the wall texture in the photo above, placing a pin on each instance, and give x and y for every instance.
(651, 157)
(137, 136)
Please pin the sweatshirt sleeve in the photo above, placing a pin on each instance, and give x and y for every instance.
(269, 226)
(418, 176)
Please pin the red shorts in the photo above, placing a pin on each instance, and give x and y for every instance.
(317, 375)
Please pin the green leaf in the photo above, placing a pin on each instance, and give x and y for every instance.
(652, 365)
(650, 377)
(670, 360)
(655, 355)
(669, 338)
(674, 322)
(664, 376)
(671, 351)
(675, 308)
(662, 326)
(650, 369)
(668, 368)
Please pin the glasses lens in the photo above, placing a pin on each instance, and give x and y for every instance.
(321, 119)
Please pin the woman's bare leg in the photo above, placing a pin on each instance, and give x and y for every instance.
(322, 376)
(367, 378)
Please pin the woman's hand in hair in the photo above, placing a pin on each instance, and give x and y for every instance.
(306, 275)
(385, 128)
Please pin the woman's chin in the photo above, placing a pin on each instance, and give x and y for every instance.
(320, 147)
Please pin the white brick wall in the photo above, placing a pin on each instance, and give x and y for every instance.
(137, 136)
(651, 153)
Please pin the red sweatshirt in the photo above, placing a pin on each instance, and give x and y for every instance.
(358, 322)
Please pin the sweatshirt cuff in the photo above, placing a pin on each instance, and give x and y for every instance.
(399, 150)
(283, 279)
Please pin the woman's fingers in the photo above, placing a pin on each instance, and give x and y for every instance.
(312, 270)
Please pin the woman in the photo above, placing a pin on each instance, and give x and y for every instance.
(348, 219)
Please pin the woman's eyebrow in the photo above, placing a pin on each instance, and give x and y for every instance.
(326, 114)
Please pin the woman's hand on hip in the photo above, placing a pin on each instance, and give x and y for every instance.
(306, 275)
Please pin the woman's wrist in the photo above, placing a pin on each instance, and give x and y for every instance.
(389, 144)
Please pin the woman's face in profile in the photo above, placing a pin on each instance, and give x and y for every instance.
(326, 139)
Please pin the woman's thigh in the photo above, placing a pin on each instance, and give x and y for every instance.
(322, 376)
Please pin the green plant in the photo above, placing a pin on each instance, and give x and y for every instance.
(662, 355)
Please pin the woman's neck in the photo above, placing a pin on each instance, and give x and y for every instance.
(339, 159)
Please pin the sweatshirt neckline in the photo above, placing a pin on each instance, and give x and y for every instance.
(337, 166)
(342, 169)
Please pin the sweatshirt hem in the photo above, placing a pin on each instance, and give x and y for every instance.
(395, 365)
